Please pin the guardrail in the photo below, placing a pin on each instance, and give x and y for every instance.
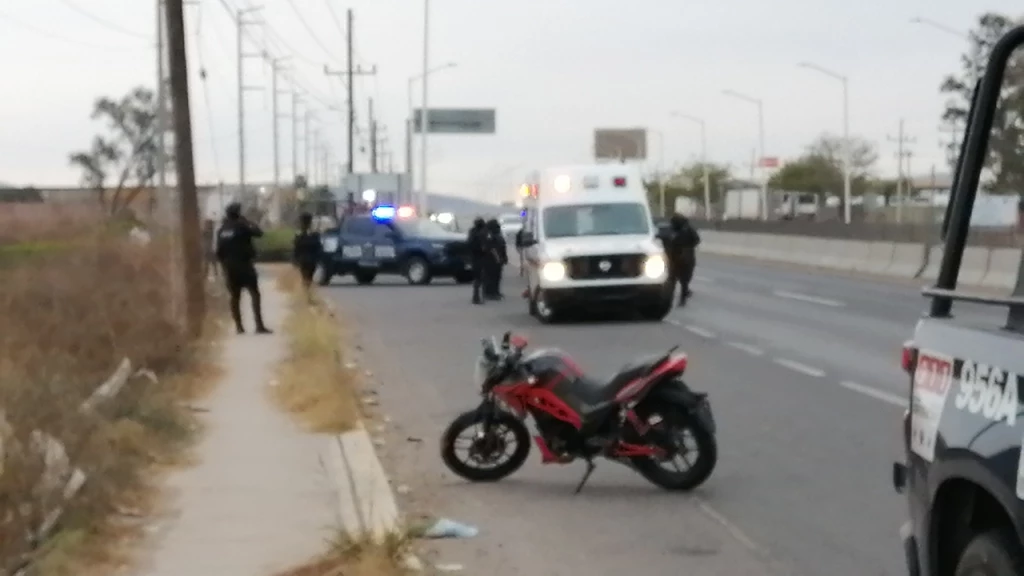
(981, 266)
(60, 480)
(1008, 237)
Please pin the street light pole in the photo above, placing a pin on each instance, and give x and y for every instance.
(760, 143)
(424, 115)
(975, 70)
(847, 145)
(703, 159)
(410, 127)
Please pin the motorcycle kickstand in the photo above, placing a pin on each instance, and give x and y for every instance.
(586, 475)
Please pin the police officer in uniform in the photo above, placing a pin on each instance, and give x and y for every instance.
(306, 249)
(236, 254)
(496, 261)
(479, 249)
(682, 253)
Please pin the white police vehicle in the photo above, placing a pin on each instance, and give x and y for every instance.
(589, 242)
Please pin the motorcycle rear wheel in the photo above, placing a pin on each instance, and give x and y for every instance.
(476, 474)
(679, 418)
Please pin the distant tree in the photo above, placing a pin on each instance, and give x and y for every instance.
(820, 169)
(121, 163)
(688, 181)
(1005, 161)
(300, 181)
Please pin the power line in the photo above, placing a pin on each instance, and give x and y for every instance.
(101, 21)
(52, 36)
(309, 29)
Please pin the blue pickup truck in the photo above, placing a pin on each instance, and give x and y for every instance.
(367, 245)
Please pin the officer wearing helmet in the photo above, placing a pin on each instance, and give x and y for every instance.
(682, 254)
(236, 254)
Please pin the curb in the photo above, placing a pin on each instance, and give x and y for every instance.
(366, 504)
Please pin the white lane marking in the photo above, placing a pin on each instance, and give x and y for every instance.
(702, 332)
(798, 367)
(809, 299)
(731, 528)
(752, 350)
(876, 394)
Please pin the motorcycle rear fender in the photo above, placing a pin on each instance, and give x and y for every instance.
(675, 391)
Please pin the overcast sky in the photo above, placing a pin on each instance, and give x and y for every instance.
(553, 69)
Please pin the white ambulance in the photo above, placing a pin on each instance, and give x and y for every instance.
(588, 243)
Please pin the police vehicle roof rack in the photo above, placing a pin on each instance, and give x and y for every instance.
(957, 221)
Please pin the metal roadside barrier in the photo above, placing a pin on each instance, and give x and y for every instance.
(982, 266)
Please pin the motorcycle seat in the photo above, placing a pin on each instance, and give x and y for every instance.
(598, 392)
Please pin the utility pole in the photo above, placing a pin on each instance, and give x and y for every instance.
(192, 255)
(902, 155)
(305, 149)
(350, 74)
(166, 205)
(316, 156)
(952, 146)
(241, 23)
(295, 135)
(373, 140)
(275, 199)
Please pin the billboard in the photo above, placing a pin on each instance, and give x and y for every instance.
(620, 143)
(457, 121)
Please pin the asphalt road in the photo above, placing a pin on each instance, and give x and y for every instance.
(803, 372)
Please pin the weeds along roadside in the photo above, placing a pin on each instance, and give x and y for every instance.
(317, 386)
(69, 316)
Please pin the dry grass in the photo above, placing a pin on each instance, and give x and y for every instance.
(69, 317)
(346, 557)
(313, 384)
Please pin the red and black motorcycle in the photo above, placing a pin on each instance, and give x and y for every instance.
(645, 417)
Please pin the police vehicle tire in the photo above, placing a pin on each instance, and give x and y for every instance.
(417, 271)
(473, 474)
(364, 278)
(992, 553)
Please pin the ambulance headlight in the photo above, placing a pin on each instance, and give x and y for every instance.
(553, 271)
(654, 266)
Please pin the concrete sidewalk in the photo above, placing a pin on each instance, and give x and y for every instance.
(259, 501)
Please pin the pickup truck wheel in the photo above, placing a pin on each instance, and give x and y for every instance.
(365, 278)
(417, 271)
(992, 553)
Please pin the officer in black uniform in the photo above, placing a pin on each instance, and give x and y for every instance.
(236, 254)
(496, 260)
(682, 254)
(306, 249)
(479, 248)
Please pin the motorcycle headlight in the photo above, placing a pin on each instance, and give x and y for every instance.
(553, 271)
(654, 266)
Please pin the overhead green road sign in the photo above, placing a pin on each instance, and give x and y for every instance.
(456, 120)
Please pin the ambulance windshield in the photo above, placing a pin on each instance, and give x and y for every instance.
(596, 220)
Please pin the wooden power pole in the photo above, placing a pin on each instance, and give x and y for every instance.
(195, 305)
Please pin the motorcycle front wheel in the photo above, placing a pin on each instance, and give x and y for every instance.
(691, 442)
(490, 452)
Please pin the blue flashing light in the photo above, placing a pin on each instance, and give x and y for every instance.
(383, 213)
(522, 214)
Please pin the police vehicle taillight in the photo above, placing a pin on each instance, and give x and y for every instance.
(406, 212)
(908, 359)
